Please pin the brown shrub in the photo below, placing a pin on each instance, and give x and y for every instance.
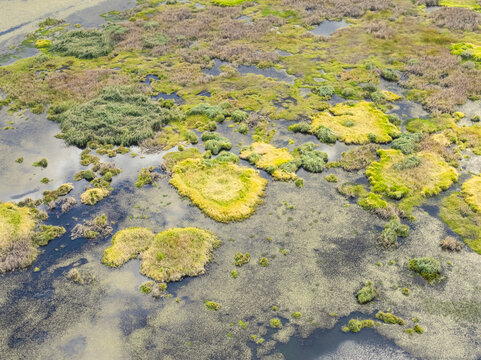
(455, 18)
(19, 254)
(380, 29)
(451, 244)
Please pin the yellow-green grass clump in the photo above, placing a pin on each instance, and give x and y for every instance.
(224, 191)
(355, 325)
(227, 2)
(470, 4)
(463, 219)
(272, 159)
(93, 196)
(173, 158)
(49, 196)
(472, 192)
(176, 253)
(410, 178)
(17, 226)
(126, 245)
(167, 256)
(358, 123)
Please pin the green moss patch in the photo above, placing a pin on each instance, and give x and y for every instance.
(126, 245)
(358, 123)
(173, 158)
(389, 318)
(429, 268)
(367, 293)
(355, 325)
(93, 196)
(224, 191)
(359, 157)
(83, 44)
(410, 179)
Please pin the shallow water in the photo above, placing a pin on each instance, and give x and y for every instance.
(327, 27)
(272, 72)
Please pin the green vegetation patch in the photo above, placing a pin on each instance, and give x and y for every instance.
(355, 325)
(49, 196)
(463, 219)
(17, 226)
(93, 196)
(276, 161)
(83, 44)
(119, 115)
(467, 51)
(411, 179)
(429, 268)
(389, 318)
(392, 230)
(228, 2)
(176, 253)
(46, 233)
(358, 123)
(173, 158)
(472, 192)
(215, 142)
(359, 157)
(367, 293)
(126, 245)
(224, 191)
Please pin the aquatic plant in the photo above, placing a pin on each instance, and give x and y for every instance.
(146, 287)
(62, 190)
(175, 253)
(367, 293)
(224, 191)
(46, 233)
(331, 178)
(83, 44)
(91, 229)
(234, 274)
(429, 268)
(80, 277)
(93, 196)
(126, 245)
(147, 176)
(302, 127)
(215, 142)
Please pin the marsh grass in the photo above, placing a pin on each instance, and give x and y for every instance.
(93, 196)
(127, 244)
(359, 157)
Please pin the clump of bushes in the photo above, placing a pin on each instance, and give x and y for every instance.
(93, 196)
(118, 115)
(88, 175)
(325, 91)
(389, 74)
(91, 229)
(215, 142)
(217, 113)
(392, 230)
(312, 160)
(451, 244)
(49, 196)
(325, 135)
(227, 157)
(147, 176)
(408, 163)
(389, 318)
(263, 261)
(276, 323)
(428, 267)
(302, 127)
(152, 40)
(147, 287)
(46, 233)
(331, 178)
(367, 293)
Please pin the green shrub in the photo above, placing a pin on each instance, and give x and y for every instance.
(392, 230)
(152, 40)
(263, 262)
(331, 178)
(325, 91)
(418, 329)
(234, 274)
(389, 75)
(243, 129)
(227, 157)
(88, 175)
(119, 115)
(239, 116)
(146, 287)
(394, 119)
(429, 268)
(407, 143)
(191, 137)
(377, 96)
(241, 259)
(408, 163)
(302, 127)
(359, 157)
(299, 182)
(325, 135)
(215, 142)
(211, 111)
(367, 293)
(296, 315)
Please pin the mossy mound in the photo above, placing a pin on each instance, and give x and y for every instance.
(167, 256)
(410, 178)
(389, 318)
(17, 226)
(173, 158)
(367, 293)
(274, 160)
(176, 253)
(359, 157)
(463, 219)
(118, 115)
(93, 196)
(224, 191)
(126, 245)
(358, 123)
(472, 193)
(49, 196)
(355, 325)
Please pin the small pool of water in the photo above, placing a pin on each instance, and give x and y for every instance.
(326, 28)
(174, 96)
(272, 72)
(430, 9)
(216, 69)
